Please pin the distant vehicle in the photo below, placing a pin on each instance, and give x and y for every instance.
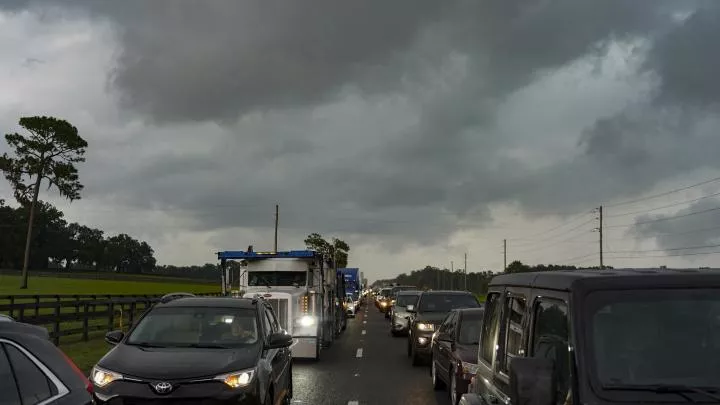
(454, 349)
(35, 371)
(350, 307)
(352, 283)
(426, 315)
(393, 296)
(383, 299)
(400, 317)
(616, 336)
(198, 350)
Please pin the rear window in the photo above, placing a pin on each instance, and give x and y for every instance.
(403, 300)
(446, 302)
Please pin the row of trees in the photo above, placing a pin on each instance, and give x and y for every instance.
(443, 279)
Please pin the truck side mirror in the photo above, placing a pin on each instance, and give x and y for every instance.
(532, 381)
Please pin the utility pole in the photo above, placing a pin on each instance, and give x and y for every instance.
(277, 219)
(452, 275)
(600, 232)
(504, 255)
(465, 271)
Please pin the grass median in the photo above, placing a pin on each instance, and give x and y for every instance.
(9, 285)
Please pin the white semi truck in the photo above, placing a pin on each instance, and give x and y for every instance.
(300, 285)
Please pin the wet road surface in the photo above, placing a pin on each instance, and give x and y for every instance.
(366, 366)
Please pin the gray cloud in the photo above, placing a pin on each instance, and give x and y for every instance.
(383, 117)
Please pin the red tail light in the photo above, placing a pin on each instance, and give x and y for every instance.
(88, 384)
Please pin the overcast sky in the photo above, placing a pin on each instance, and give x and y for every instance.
(416, 130)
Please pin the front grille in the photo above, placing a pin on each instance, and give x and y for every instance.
(280, 306)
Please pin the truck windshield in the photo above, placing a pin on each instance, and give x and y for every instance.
(654, 337)
(277, 278)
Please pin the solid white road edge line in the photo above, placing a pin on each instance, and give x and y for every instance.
(363, 332)
(359, 353)
(353, 403)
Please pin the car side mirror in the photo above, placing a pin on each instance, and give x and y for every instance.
(532, 381)
(444, 337)
(279, 340)
(411, 308)
(114, 337)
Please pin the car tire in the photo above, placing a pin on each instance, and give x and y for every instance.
(414, 357)
(454, 397)
(438, 384)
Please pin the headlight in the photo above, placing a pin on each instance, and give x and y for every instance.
(383, 303)
(237, 379)
(469, 368)
(307, 320)
(426, 327)
(102, 377)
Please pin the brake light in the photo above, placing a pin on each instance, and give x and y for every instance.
(88, 384)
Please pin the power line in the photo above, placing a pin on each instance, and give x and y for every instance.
(670, 255)
(664, 206)
(702, 183)
(666, 250)
(665, 218)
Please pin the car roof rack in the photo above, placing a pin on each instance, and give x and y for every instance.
(173, 296)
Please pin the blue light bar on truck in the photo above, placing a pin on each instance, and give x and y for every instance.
(291, 254)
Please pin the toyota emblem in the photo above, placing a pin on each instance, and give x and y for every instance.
(162, 387)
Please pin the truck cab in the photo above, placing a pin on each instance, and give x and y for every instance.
(300, 286)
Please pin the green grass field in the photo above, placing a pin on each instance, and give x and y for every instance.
(63, 285)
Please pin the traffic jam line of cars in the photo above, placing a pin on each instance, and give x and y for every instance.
(569, 337)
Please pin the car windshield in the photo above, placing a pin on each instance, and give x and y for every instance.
(648, 337)
(385, 292)
(403, 300)
(446, 302)
(196, 327)
(470, 325)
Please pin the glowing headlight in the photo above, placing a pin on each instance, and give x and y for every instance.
(469, 368)
(102, 377)
(307, 320)
(383, 303)
(237, 379)
(426, 327)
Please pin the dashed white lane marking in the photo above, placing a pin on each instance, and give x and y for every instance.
(359, 353)
(364, 321)
(363, 332)
(353, 403)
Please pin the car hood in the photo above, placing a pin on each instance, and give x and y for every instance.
(177, 363)
(430, 317)
(467, 353)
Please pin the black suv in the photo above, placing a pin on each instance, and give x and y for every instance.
(426, 316)
(198, 350)
(600, 336)
(34, 371)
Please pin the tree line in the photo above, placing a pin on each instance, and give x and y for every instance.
(436, 278)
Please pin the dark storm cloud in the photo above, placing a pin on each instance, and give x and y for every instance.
(693, 226)
(184, 61)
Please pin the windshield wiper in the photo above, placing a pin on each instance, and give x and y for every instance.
(145, 344)
(204, 346)
(679, 389)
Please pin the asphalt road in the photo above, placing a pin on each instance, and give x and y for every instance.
(366, 366)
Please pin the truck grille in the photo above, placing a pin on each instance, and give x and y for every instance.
(280, 306)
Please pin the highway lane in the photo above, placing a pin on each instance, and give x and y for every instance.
(366, 366)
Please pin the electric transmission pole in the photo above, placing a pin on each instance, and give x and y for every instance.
(504, 255)
(277, 219)
(465, 271)
(600, 232)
